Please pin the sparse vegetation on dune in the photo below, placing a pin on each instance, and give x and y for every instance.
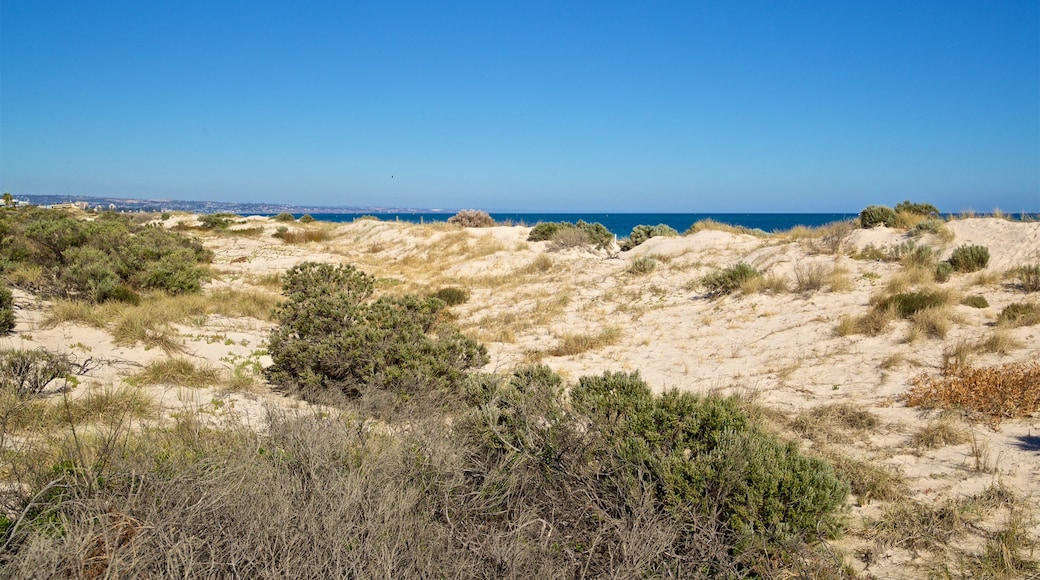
(420, 463)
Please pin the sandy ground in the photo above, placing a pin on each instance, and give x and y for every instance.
(524, 298)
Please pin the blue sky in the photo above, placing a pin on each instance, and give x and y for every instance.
(542, 106)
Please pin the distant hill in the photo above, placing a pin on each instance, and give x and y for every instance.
(160, 205)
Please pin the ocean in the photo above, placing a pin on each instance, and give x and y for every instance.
(621, 224)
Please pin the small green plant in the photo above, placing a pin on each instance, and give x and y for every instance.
(642, 266)
(877, 215)
(729, 280)
(1019, 314)
(28, 372)
(571, 235)
(285, 217)
(452, 296)
(969, 258)
(907, 304)
(975, 301)
(307, 219)
(217, 221)
(6, 310)
(943, 270)
(1028, 277)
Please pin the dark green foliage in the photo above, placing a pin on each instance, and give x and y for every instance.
(544, 231)
(109, 258)
(975, 301)
(217, 221)
(698, 458)
(907, 304)
(28, 372)
(6, 310)
(1020, 314)
(642, 233)
(333, 339)
(284, 217)
(969, 258)
(306, 218)
(877, 215)
(452, 296)
(595, 234)
(943, 270)
(729, 280)
(925, 209)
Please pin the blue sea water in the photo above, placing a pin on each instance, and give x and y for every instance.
(622, 223)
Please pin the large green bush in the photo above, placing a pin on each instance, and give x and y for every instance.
(701, 461)
(877, 215)
(108, 258)
(6, 310)
(969, 258)
(643, 233)
(570, 234)
(333, 340)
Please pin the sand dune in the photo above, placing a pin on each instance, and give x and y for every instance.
(782, 346)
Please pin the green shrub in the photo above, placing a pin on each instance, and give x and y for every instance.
(642, 233)
(877, 215)
(7, 321)
(907, 304)
(1028, 277)
(285, 217)
(943, 270)
(566, 234)
(975, 301)
(969, 258)
(1020, 314)
(333, 340)
(306, 218)
(929, 226)
(97, 259)
(472, 218)
(217, 221)
(925, 209)
(729, 280)
(642, 266)
(705, 454)
(452, 296)
(27, 372)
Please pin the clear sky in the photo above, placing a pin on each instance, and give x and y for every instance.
(641, 106)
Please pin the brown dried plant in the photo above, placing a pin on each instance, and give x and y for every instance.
(996, 393)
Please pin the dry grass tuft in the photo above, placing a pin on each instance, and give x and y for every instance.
(302, 236)
(573, 344)
(176, 371)
(868, 480)
(940, 433)
(996, 393)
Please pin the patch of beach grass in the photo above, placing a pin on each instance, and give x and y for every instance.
(176, 371)
(575, 344)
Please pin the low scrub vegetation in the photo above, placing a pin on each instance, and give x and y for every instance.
(993, 393)
(7, 320)
(877, 215)
(108, 258)
(969, 258)
(564, 235)
(472, 218)
(300, 236)
(1019, 314)
(1028, 277)
(452, 296)
(642, 266)
(642, 233)
(333, 341)
(729, 280)
(284, 217)
(575, 344)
